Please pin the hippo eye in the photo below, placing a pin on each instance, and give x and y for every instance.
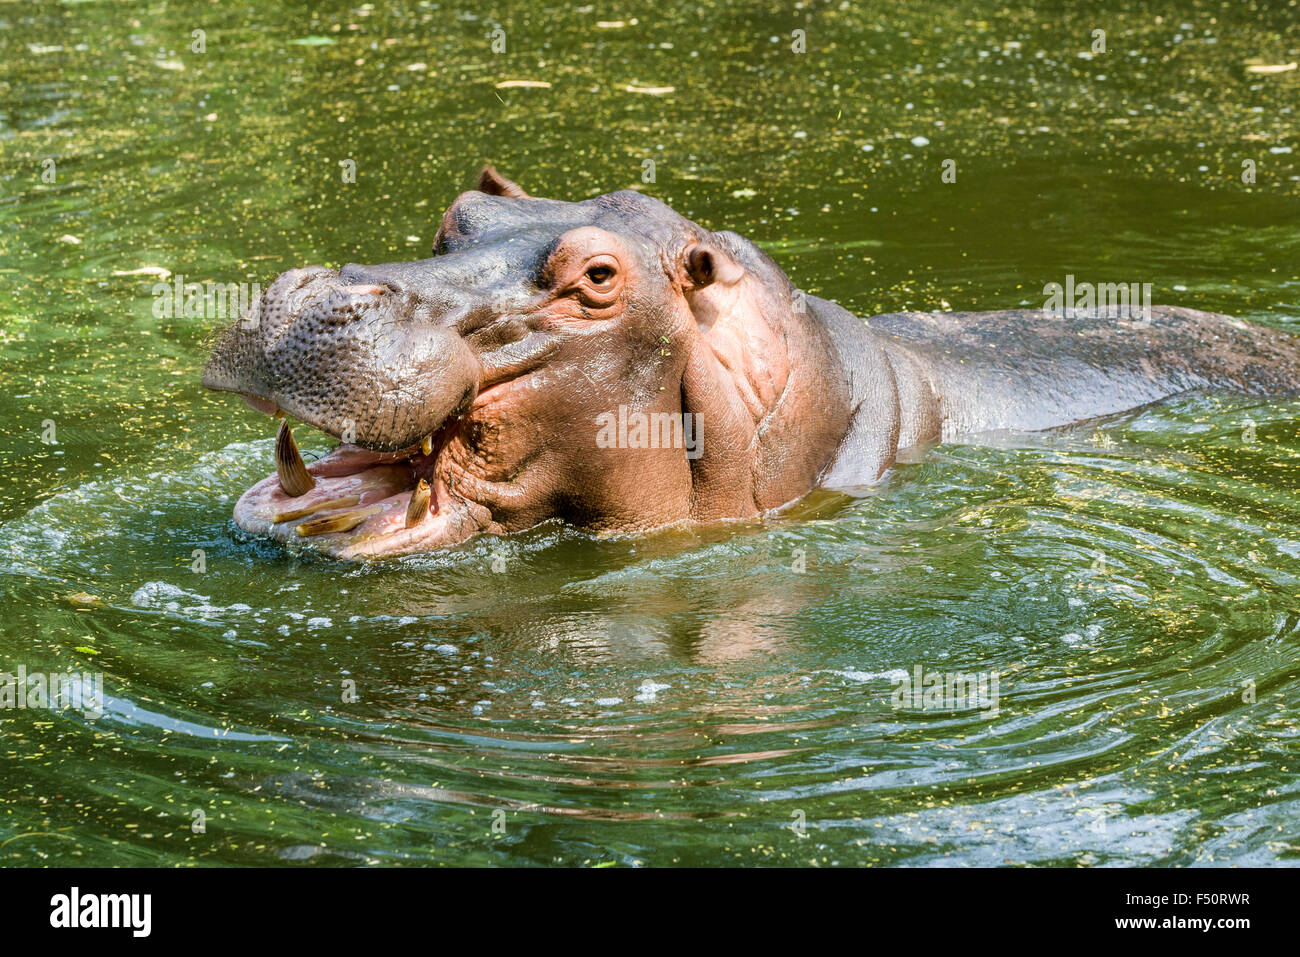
(599, 283)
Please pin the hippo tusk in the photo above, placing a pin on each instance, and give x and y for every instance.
(426, 445)
(289, 466)
(418, 508)
(342, 522)
(344, 502)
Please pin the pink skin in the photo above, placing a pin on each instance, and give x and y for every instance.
(387, 486)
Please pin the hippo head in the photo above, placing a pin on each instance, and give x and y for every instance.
(607, 362)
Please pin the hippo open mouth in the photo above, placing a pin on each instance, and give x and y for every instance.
(353, 502)
(545, 361)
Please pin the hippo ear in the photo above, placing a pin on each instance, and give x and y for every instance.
(704, 265)
(494, 184)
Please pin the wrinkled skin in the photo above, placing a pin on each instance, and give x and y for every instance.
(490, 370)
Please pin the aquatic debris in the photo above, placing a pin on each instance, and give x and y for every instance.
(158, 271)
(1267, 68)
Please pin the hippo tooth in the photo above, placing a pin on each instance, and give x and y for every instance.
(294, 478)
(426, 445)
(342, 522)
(418, 507)
(344, 502)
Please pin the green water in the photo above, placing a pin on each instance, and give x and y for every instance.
(714, 697)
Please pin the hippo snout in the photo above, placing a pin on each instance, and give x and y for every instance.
(355, 353)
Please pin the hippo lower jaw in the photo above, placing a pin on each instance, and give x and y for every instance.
(360, 504)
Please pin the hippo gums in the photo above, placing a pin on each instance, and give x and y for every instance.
(614, 365)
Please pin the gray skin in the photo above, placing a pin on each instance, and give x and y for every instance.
(536, 317)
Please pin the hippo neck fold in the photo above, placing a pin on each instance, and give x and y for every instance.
(763, 379)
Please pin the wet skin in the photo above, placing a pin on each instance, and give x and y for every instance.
(473, 390)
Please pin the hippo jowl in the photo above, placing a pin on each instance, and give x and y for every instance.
(613, 364)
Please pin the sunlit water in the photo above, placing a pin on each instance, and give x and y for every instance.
(719, 696)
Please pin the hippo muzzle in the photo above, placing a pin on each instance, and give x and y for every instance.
(357, 354)
(375, 357)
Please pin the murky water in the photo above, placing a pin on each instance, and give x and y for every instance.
(722, 696)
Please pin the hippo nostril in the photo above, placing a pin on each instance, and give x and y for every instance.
(367, 289)
(354, 274)
(359, 277)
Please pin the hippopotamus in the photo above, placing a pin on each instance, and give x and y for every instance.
(612, 364)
